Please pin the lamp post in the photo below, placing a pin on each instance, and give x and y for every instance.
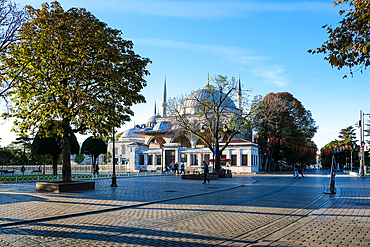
(114, 178)
(162, 157)
(362, 143)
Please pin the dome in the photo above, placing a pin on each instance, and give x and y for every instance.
(190, 103)
(131, 133)
(162, 125)
(152, 121)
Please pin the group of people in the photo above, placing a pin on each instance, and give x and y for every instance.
(174, 167)
(298, 170)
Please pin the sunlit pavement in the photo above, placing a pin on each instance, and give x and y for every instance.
(254, 210)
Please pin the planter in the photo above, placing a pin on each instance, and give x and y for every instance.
(225, 175)
(59, 186)
(199, 176)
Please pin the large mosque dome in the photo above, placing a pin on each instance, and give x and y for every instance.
(189, 105)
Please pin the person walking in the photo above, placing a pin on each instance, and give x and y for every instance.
(296, 174)
(172, 167)
(182, 168)
(206, 172)
(300, 169)
(177, 168)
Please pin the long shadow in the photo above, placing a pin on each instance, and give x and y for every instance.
(116, 235)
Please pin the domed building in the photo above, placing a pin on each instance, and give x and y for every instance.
(158, 142)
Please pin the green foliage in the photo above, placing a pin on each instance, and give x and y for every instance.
(348, 44)
(350, 155)
(79, 158)
(282, 116)
(69, 66)
(93, 146)
(5, 156)
(107, 157)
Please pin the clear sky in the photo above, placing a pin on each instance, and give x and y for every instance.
(265, 42)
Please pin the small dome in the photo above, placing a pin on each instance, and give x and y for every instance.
(131, 133)
(162, 125)
(152, 121)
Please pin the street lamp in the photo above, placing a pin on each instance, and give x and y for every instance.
(114, 178)
(362, 143)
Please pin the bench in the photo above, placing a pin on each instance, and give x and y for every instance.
(6, 171)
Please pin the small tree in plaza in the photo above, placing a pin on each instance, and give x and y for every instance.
(70, 67)
(79, 158)
(94, 147)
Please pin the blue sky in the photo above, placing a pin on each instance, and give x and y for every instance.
(265, 42)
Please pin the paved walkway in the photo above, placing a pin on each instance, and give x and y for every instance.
(258, 210)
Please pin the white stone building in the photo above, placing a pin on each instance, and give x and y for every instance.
(156, 143)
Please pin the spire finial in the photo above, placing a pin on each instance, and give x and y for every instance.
(207, 86)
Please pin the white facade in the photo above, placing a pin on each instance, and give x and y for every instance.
(157, 143)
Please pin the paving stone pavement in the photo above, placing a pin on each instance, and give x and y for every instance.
(254, 210)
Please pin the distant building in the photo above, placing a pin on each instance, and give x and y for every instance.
(156, 143)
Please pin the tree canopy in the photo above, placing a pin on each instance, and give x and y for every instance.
(284, 128)
(94, 147)
(70, 67)
(348, 45)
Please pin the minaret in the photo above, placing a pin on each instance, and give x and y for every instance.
(239, 94)
(164, 104)
(155, 108)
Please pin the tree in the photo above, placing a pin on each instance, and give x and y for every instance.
(79, 158)
(280, 116)
(94, 147)
(11, 18)
(75, 70)
(25, 143)
(348, 137)
(5, 156)
(348, 45)
(107, 157)
(47, 141)
(212, 116)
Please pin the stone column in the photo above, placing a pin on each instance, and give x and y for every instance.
(238, 157)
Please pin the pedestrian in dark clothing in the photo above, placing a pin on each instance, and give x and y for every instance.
(182, 169)
(176, 168)
(206, 171)
(300, 169)
(296, 172)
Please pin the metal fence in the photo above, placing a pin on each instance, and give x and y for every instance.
(79, 172)
(47, 169)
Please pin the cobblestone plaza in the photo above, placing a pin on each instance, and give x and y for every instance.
(253, 210)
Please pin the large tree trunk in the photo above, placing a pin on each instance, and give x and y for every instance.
(55, 164)
(66, 152)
